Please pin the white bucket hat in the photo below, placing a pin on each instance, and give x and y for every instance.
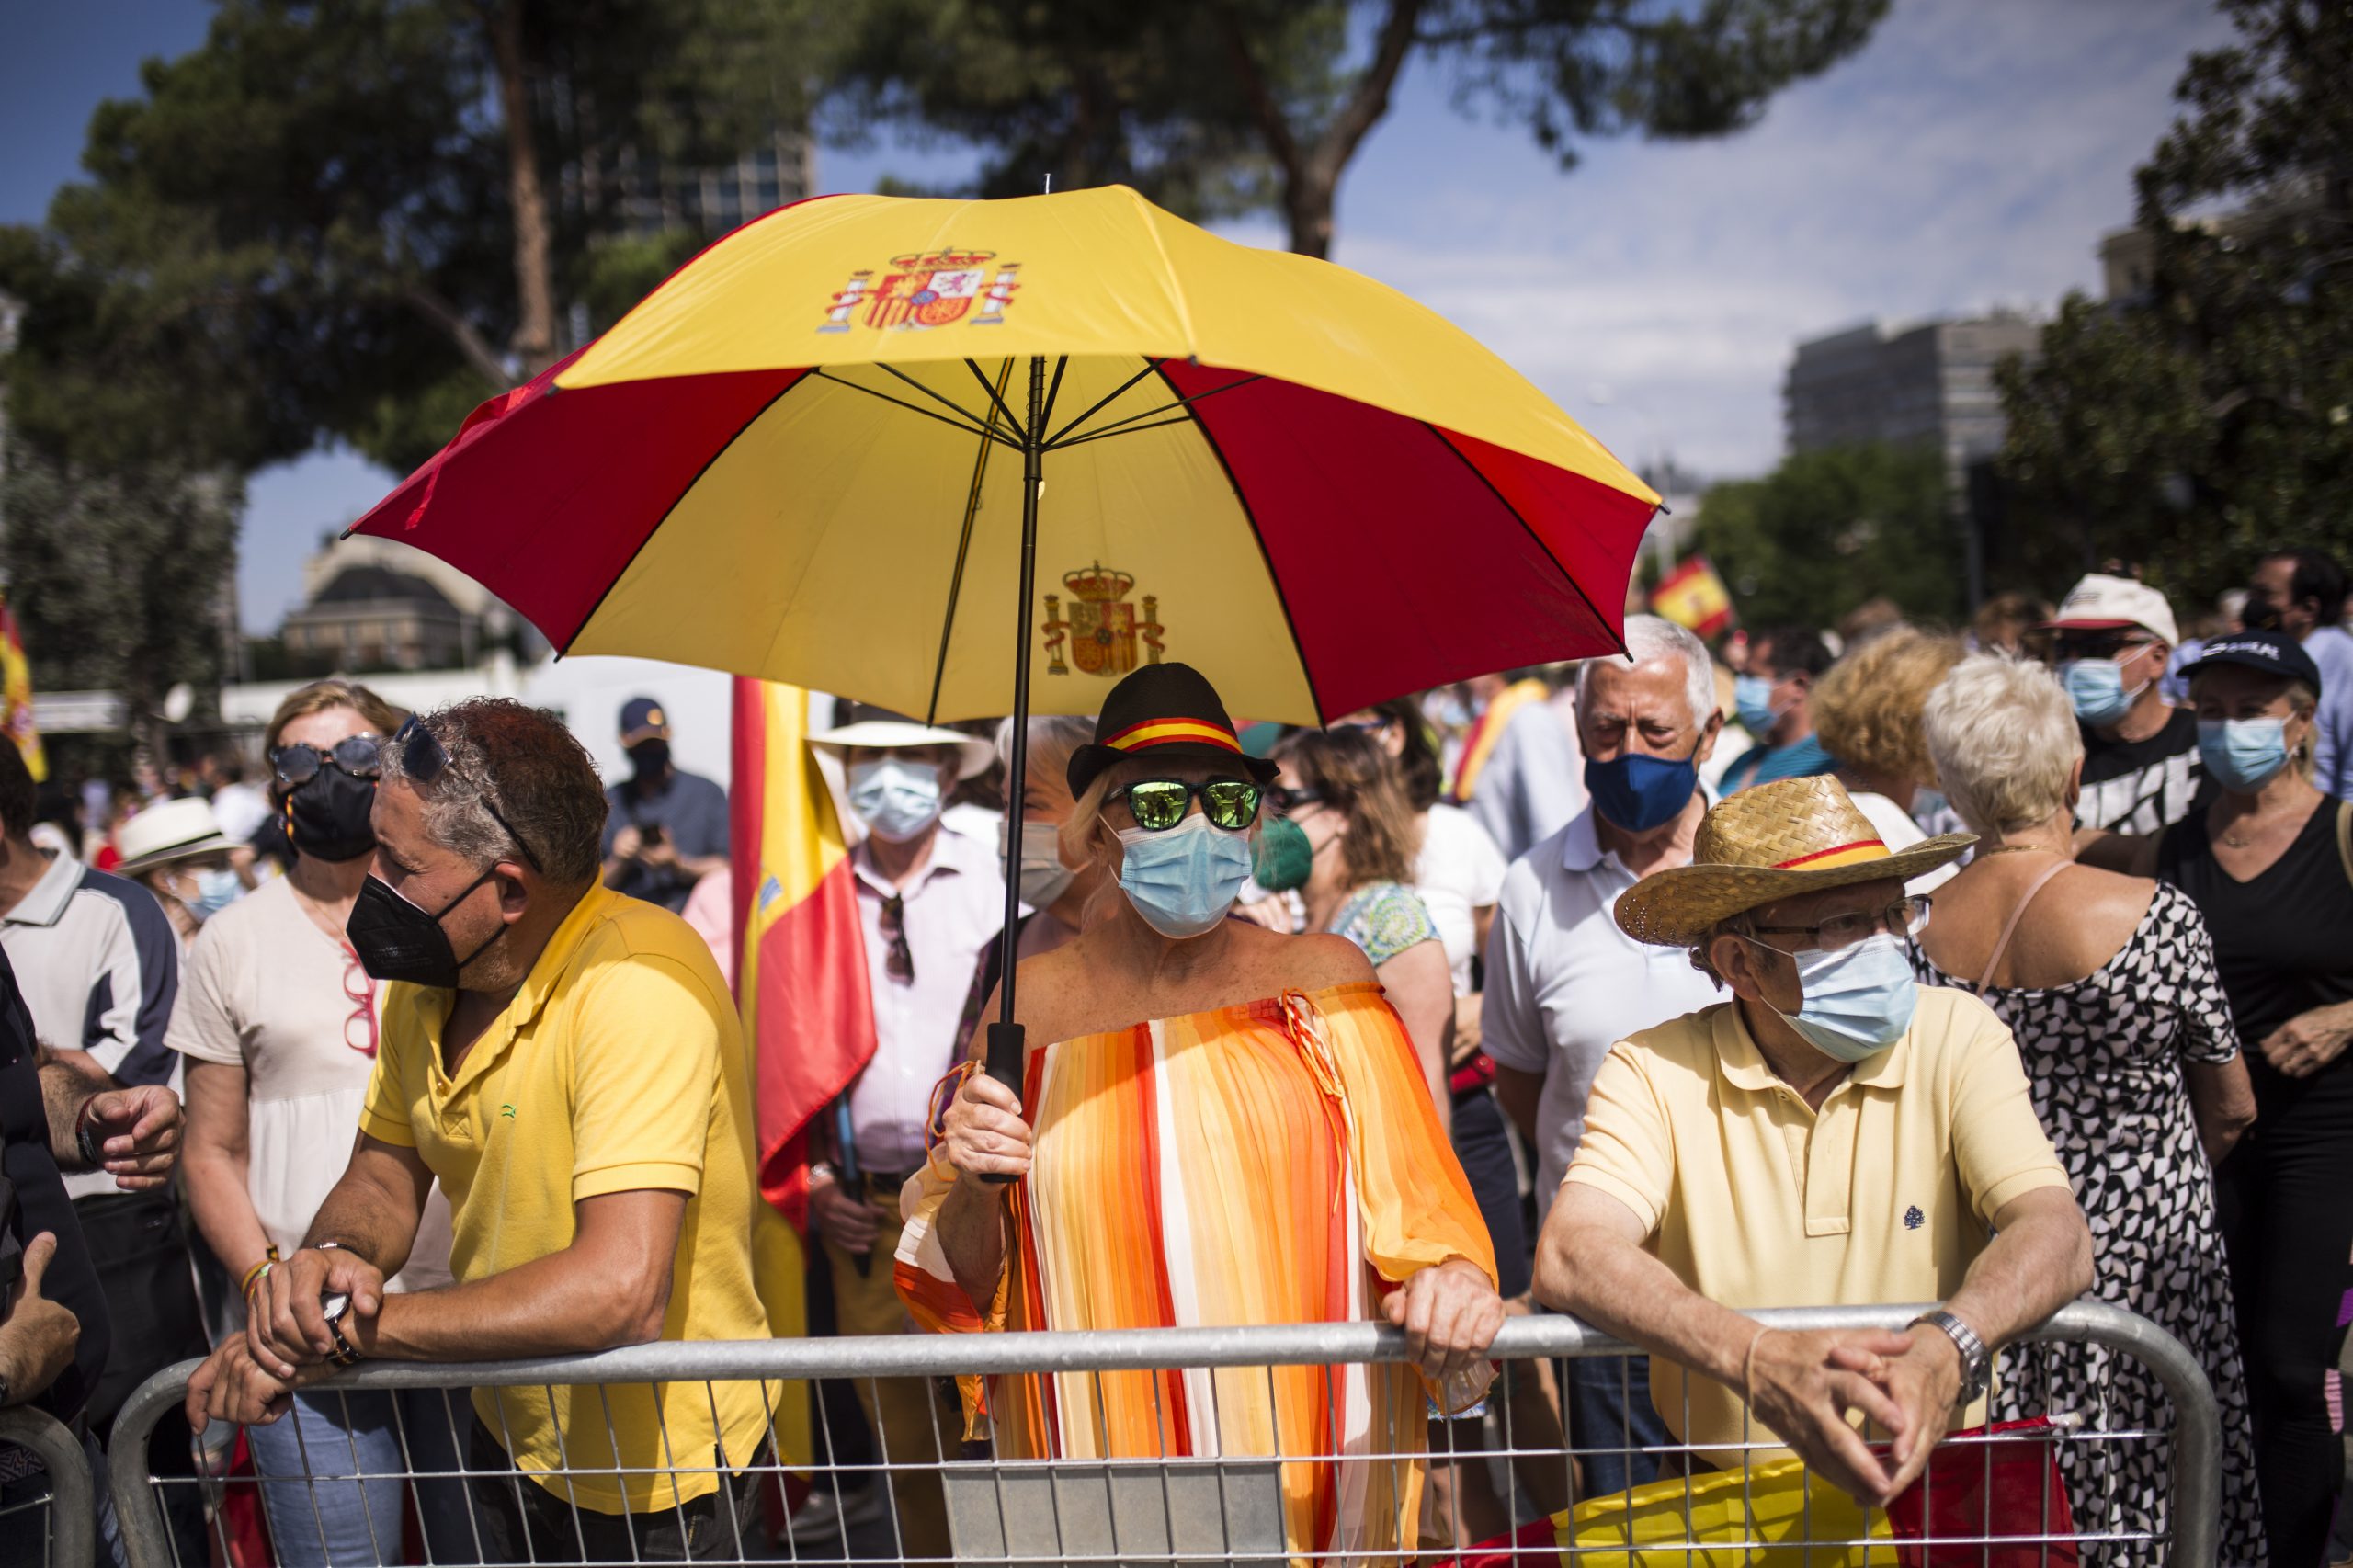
(877, 729)
(169, 831)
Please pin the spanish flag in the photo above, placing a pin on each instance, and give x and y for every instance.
(17, 696)
(1693, 596)
(801, 982)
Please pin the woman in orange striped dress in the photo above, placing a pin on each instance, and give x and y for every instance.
(1217, 1126)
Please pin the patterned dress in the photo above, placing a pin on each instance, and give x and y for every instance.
(2104, 1059)
(1276, 1162)
(1384, 919)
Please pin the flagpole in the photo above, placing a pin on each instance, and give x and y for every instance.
(1005, 1041)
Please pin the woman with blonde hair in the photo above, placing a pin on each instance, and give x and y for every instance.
(1866, 715)
(2110, 985)
(1216, 1126)
(277, 1018)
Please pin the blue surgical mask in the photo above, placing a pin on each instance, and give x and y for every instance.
(896, 800)
(1637, 793)
(2097, 688)
(215, 891)
(1752, 699)
(1859, 1000)
(2242, 755)
(1183, 881)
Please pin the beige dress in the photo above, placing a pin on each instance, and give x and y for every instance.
(265, 989)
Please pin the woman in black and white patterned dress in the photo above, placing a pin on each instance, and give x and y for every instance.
(2109, 983)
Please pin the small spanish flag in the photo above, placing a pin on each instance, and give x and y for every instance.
(1693, 596)
(17, 696)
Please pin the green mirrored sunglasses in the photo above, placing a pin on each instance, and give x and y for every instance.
(1159, 804)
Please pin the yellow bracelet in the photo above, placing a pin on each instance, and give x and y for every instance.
(1749, 1369)
(257, 1270)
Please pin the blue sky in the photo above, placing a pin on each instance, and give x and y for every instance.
(1971, 155)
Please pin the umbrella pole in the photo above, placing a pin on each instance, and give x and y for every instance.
(1005, 1043)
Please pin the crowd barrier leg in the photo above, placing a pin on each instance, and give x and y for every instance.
(66, 1521)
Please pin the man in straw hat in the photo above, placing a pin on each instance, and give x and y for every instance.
(1834, 1135)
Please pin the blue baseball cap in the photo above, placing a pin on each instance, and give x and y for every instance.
(2273, 652)
(642, 719)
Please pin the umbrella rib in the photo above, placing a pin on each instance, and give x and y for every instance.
(1120, 391)
(1054, 388)
(974, 429)
(1181, 418)
(1116, 426)
(943, 399)
(1534, 537)
(964, 554)
(1257, 537)
(998, 398)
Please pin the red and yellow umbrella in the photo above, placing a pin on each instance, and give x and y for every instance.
(803, 457)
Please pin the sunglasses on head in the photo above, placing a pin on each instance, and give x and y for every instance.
(423, 759)
(1159, 804)
(359, 756)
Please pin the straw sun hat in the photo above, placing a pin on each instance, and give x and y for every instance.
(1772, 842)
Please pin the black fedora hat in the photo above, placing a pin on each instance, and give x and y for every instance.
(1169, 713)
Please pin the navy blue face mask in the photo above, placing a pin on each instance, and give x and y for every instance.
(1638, 793)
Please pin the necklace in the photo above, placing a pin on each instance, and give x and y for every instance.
(2014, 849)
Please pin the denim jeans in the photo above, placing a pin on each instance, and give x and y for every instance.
(1610, 1410)
(334, 1522)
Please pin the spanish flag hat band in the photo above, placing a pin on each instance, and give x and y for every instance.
(1168, 732)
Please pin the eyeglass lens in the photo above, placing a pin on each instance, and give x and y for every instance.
(900, 964)
(1158, 805)
(359, 756)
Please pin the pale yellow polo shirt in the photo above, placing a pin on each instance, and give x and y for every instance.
(1885, 1195)
(616, 1067)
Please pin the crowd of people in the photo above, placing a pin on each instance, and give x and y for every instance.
(1988, 967)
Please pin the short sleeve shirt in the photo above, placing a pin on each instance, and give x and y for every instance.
(1885, 1195)
(616, 1067)
(1459, 873)
(691, 813)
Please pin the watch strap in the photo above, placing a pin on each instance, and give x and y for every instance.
(86, 1140)
(1976, 1359)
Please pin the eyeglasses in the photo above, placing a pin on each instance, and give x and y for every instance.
(1358, 726)
(363, 1003)
(900, 964)
(1290, 801)
(359, 756)
(1159, 804)
(423, 759)
(1905, 917)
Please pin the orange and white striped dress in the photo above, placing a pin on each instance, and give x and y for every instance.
(1270, 1163)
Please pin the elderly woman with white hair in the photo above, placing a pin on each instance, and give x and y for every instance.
(2109, 983)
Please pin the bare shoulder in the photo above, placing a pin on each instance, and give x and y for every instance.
(2090, 914)
(1316, 961)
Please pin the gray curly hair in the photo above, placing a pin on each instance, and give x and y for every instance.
(531, 768)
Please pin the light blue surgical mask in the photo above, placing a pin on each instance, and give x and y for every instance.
(2097, 688)
(1752, 700)
(1043, 876)
(1183, 881)
(896, 800)
(1858, 1001)
(216, 890)
(2242, 755)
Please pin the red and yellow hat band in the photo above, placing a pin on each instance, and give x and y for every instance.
(1837, 855)
(1168, 732)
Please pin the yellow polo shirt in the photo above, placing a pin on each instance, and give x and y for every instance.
(616, 1067)
(1885, 1195)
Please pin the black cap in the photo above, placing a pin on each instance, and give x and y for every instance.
(640, 717)
(1169, 713)
(2273, 652)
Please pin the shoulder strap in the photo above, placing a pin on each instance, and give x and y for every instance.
(2345, 837)
(2002, 942)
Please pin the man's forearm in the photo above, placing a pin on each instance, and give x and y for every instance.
(1615, 1286)
(2040, 1259)
(65, 1088)
(368, 1219)
(556, 1305)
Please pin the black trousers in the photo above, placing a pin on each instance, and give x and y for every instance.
(2286, 1206)
(522, 1521)
(1484, 1149)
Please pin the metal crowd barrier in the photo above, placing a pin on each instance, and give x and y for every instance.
(65, 1521)
(1229, 1507)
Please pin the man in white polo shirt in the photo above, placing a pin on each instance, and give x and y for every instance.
(1563, 984)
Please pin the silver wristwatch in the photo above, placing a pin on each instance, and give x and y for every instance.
(1976, 1361)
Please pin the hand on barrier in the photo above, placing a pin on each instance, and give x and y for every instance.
(1450, 1314)
(1924, 1380)
(38, 1337)
(984, 1134)
(233, 1386)
(285, 1330)
(1802, 1387)
(137, 1132)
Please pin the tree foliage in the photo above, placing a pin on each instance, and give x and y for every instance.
(1237, 105)
(2211, 419)
(1829, 530)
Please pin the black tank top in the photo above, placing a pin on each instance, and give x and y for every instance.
(2283, 940)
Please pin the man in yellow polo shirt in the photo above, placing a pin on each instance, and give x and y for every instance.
(565, 1060)
(1834, 1134)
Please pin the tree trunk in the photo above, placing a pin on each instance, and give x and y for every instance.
(1307, 198)
(534, 342)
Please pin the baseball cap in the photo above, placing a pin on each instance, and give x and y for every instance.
(2273, 652)
(642, 717)
(2101, 603)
